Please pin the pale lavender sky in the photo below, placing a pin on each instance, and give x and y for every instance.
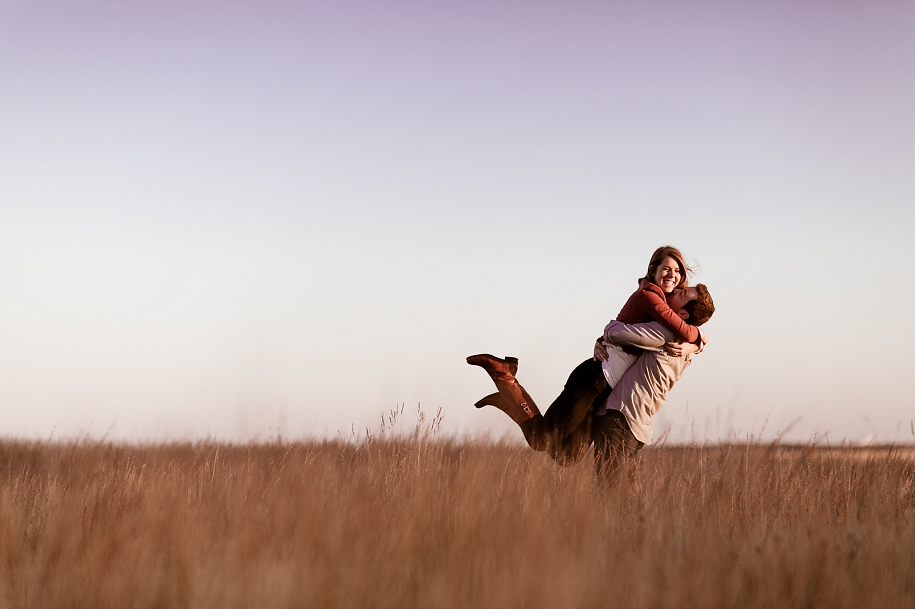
(234, 219)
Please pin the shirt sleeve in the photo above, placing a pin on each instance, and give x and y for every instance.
(657, 308)
(650, 336)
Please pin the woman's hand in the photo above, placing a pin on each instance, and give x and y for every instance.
(702, 336)
(600, 351)
(680, 349)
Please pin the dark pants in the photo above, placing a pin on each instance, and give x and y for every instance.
(565, 430)
(614, 444)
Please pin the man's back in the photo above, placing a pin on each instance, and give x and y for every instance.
(643, 390)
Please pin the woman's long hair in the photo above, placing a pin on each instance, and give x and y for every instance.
(663, 252)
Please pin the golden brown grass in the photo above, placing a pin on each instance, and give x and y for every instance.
(418, 522)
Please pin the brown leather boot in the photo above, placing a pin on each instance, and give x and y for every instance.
(531, 428)
(493, 364)
(514, 400)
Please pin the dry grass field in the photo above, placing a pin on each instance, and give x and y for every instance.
(411, 521)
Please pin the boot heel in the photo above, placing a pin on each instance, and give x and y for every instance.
(493, 364)
(493, 399)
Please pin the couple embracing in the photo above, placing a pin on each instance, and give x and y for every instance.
(611, 398)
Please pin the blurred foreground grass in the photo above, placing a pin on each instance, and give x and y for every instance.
(417, 522)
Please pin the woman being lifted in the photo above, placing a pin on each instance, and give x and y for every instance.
(663, 299)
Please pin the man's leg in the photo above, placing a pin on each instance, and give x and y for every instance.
(614, 445)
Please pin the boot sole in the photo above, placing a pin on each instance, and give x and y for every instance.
(507, 359)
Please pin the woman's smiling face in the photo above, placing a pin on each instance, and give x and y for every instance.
(668, 276)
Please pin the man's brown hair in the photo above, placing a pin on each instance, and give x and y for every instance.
(701, 309)
(660, 254)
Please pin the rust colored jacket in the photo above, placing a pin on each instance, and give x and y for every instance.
(649, 303)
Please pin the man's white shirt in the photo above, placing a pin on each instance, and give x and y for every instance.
(641, 383)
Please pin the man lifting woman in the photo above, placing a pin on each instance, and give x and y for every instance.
(611, 398)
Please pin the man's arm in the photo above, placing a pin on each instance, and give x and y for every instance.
(650, 336)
